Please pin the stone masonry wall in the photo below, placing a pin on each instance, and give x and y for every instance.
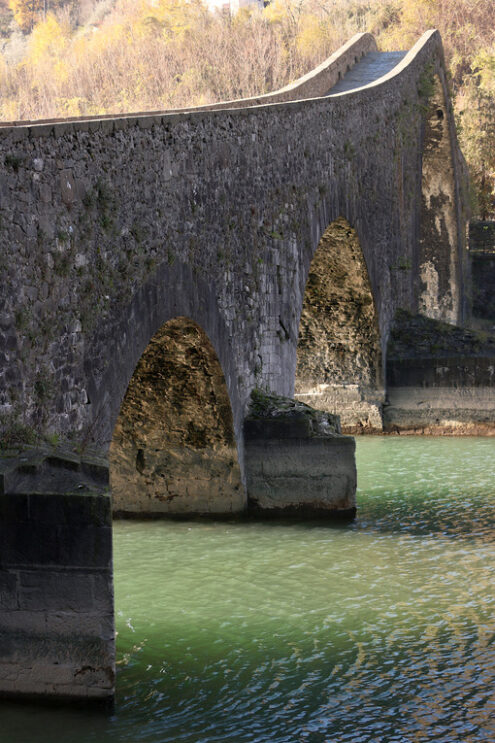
(482, 236)
(483, 273)
(440, 271)
(297, 461)
(482, 255)
(109, 228)
(440, 379)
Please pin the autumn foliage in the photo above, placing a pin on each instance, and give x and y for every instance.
(81, 57)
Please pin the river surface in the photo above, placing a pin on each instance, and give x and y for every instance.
(381, 631)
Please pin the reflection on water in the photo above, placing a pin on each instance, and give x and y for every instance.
(381, 631)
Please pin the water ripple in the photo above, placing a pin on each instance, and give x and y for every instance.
(378, 632)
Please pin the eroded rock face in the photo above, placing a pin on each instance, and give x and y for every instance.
(339, 354)
(173, 448)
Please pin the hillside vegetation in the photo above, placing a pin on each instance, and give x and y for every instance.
(78, 57)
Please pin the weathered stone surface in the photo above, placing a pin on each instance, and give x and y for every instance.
(483, 276)
(416, 337)
(296, 461)
(436, 411)
(442, 293)
(44, 469)
(461, 372)
(173, 448)
(482, 255)
(481, 236)
(339, 360)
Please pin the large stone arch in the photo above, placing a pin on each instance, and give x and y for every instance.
(440, 231)
(339, 357)
(175, 290)
(173, 449)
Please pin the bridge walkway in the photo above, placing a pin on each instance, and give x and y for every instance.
(371, 67)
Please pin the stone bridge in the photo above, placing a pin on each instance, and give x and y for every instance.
(170, 283)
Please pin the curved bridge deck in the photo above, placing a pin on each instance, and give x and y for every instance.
(370, 68)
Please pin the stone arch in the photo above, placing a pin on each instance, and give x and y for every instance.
(173, 449)
(339, 357)
(440, 269)
(175, 290)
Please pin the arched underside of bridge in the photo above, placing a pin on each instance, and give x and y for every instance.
(173, 448)
(339, 366)
(440, 289)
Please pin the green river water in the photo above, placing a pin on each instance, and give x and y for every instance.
(379, 631)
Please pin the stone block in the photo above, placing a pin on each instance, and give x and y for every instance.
(312, 474)
(296, 427)
(85, 623)
(40, 666)
(282, 458)
(25, 620)
(40, 130)
(55, 591)
(33, 543)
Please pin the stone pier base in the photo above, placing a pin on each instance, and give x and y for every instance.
(56, 596)
(297, 462)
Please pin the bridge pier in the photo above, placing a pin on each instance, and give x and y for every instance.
(297, 461)
(56, 582)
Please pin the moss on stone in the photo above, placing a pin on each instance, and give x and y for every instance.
(268, 406)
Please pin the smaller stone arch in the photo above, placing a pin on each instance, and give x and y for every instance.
(173, 448)
(440, 238)
(339, 358)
